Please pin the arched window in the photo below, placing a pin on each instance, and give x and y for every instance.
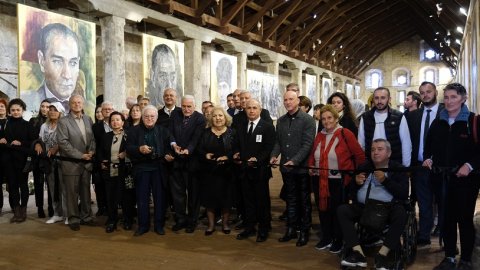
(401, 77)
(373, 79)
(429, 74)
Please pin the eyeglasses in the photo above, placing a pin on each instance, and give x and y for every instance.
(148, 116)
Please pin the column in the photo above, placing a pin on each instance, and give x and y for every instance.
(297, 78)
(241, 70)
(113, 49)
(193, 67)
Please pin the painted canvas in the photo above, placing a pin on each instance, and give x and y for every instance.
(223, 77)
(311, 87)
(327, 89)
(264, 87)
(349, 91)
(163, 67)
(56, 59)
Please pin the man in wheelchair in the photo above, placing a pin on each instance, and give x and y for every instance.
(386, 187)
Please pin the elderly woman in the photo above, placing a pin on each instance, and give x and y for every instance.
(47, 146)
(346, 117)
(147, 146)
(334, 148)
(451, 143)
(19, 136)
(216, 152)
(112, 155)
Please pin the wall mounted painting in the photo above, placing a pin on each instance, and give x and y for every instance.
(311, 87)
(327, 89)
(56, 59)
(349, 91)
(223, 77)
(264, 86)
(163, 67)
(357, 91)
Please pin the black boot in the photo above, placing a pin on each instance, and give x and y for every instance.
(40, 212)
(16, 214)
(303, 238)
(290, 234)
(22, 214)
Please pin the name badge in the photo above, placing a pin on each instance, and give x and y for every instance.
(259, 138)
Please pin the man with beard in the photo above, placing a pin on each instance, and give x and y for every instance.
(386, 123)
(419, 122)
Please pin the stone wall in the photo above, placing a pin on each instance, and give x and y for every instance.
(8, 51)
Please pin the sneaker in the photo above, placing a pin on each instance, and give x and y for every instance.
(354, 259)
(323, 244)
(464, 265)
(66, 221)
(446, 264)
(382, 262)
(54, 219)
(336, 247)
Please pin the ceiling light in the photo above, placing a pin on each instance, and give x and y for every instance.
(460, 29)
(437, 33)
(313, 46)
(341, 46)
(259, 25)
(361, 61)
(463, 11)
(218, 2)
(435, 39)
(314, 16)
(458, 41)
(319, 41)
(431, 16)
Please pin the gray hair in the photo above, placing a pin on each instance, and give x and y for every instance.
(255, 100)
(387, 143)
(150, 107)
(106, 103)
(188, 97)
(74, 96)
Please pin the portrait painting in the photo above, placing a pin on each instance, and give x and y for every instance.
(163, 67)
(327, 89)
(223, 77)
(56, 59)
(349, 90)
(264, 87)
(356, 91)
(311, 87)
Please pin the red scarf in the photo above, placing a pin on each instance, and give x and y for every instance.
(323, 186)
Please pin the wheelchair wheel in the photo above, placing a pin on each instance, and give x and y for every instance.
(409, 240)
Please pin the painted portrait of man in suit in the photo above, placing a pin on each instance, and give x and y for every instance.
(223, 77)
(56, 59)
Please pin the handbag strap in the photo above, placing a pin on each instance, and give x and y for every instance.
(368, 191)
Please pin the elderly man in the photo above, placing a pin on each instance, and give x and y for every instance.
(170, 101)
(75, 140)
(255, 142)
(294, 140)
(147, 145)
(186, 128)
(387, 187)
(236, 101)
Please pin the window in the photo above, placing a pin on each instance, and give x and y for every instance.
(427, 54)
(429, 74)
(401, 100)
(430, 54)
(373, 79)
(401, 77)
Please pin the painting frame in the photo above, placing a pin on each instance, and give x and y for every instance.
(223, 77)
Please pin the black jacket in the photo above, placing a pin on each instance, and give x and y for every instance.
(20, 130)
(105, 151)
(164, 119)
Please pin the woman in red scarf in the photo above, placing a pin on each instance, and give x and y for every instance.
(335, 148)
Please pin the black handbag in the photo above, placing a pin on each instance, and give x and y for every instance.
(375, 214)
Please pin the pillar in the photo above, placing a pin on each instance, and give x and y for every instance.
(193, 68)
(297, 78)
(241, 70)
(113, 49)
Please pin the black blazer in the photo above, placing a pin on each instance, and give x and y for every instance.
(163, 118)
(248, 146)
(414, 121)
(241, 118)
(187, 136)
(105, 150)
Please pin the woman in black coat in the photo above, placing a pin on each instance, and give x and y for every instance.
(112, 155)
(341, 103)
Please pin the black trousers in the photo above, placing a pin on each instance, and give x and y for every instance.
(117, 194)
(256, 198)
(39, 179)
(459, 208)
(98, 180)
(17, 187)
(299, 206)
(349, 214)
(328, 219)
(186, 197)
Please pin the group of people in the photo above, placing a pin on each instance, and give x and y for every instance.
(221, 159)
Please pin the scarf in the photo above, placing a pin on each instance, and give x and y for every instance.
(323, 186)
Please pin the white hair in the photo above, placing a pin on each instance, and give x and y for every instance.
(106, 103)
(188, 97)
(150, 107)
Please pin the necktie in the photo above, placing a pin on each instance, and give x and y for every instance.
(426, 125)
(250, 130)
(185, 120)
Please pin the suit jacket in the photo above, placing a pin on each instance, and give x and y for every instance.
(231, 111)
(71, 143)
(163, 118)
(240, 118)
(250, 146)
(294, 140)
(187, 136)
(415, 126)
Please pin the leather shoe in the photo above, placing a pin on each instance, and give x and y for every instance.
(241, 226)
(190, 229)
(178, 226)
(160, 231)
(110, 228)
(245, 234)
(127, 226)
(289, 235)
(226, 230)
(139, 233)
(262, 237)
(208, 232)
(302, 239)
(88, 223)
(74, 226)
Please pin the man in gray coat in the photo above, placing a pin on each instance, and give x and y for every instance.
(294, 140)
(75, 140)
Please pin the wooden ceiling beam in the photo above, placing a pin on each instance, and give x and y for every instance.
(233, 11)
(275, 23)
(255, 19)
(204, 4)
(289, 29)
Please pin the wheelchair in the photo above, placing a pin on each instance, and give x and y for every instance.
(404, 255)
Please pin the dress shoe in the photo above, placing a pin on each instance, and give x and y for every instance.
(190, 229)
(290, 234)
(240, 226)
(209, 232)
(127, 226)
(245, 234)
(178, 226)
(40, 212)
(160, 231)
(226, 230)
(283, 216)
(110, 228)
(74, 226)
(302, 239)
(139, 233)
(262, 237)
(88, 223)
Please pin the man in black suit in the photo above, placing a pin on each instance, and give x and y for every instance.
(419, 122)
(170, 100)
(99, 131)
(230, 105)
(255, 143)
(186, 126)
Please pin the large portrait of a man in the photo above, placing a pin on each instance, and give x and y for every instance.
(311, 87)
(163, 67)
(56, 59)
(223, 77)
(264, 87)
(326, 89)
